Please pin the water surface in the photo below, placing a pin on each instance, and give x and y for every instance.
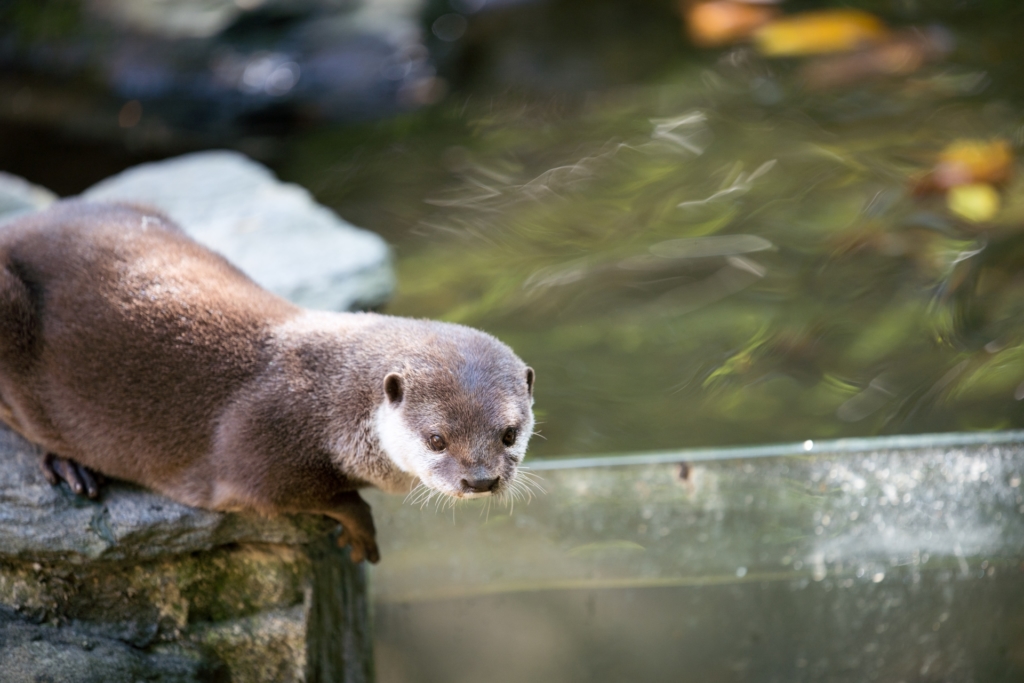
(721, 256)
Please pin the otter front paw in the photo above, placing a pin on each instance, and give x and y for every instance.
(357, 530)
(80, 478)
(363, 544)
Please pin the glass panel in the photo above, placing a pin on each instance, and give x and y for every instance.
(888, 564)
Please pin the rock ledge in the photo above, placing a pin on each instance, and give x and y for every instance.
(136, 587)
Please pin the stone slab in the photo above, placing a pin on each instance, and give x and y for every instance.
(34, 653)
(40, 522)
(18, 196)
(275, 232)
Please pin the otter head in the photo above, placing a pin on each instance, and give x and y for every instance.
(459, 422)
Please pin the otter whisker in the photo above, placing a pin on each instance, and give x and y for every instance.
(531, 479)
(533, 484)
(523, 488)
(524, 493)
(431, 494)
(528, 483)
(424, 496)
(414, 493)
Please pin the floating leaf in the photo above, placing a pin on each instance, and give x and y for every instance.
(974, 161)
(819, 33)
(722, 22)
(978, 202)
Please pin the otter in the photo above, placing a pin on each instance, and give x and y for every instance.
(129, 350)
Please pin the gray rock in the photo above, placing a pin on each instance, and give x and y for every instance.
(33, 653)
(18, 196)
(39, 522)
(275, 232)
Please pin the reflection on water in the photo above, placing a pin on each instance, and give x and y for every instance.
(724, 257)
(889, 565)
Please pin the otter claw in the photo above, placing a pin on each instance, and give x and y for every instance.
(48, 469)
(361, 548)
(81, 479)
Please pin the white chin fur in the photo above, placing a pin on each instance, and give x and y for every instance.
(409, 453)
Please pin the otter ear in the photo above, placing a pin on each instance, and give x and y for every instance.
(529, 381)
(393, 388)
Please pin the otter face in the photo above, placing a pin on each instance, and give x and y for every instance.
(463, 433)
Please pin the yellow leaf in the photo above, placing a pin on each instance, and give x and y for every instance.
(819, 32)
(977, 202)
(720, 21)
(974, 161)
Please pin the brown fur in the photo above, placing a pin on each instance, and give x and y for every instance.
(130, 349)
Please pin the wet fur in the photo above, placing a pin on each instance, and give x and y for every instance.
(134, 351)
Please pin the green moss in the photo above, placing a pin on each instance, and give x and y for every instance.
(140, 602)
(243, 581)
(270, 646)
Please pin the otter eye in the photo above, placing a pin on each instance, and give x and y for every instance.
(436, 442)
(509, 437)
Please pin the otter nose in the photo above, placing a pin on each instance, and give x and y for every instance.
(480, 485)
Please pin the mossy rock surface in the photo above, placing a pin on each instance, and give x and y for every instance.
(135, 587)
